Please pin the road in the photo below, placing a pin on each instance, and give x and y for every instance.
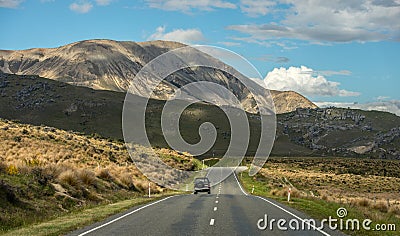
(228, 210)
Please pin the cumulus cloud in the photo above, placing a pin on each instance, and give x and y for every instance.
(325, 21)
(392, 106)
(304, 81)
(188, 6)
(179, 35)
(10, 3)
(81, 7)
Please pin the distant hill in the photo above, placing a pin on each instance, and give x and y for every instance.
(303, 132)
(339, 132)
(111, 65)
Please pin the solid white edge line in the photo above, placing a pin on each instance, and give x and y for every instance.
(240, 186)
(283, 209)
(212, 221)
(127, 214)
(292, 214)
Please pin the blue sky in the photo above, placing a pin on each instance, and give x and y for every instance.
(333, 52)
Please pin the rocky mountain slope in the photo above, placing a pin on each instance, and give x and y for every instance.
(341, 132)
(111, 65)
(303, 132)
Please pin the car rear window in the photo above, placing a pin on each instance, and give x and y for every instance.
(201, 181)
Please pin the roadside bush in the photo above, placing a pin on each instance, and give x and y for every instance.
(33, 162)
(381, 206)
(104, 174)
(127, 180)
(363, 202)
(53, 170)
(69, 177)
(87, 177)
(12, 170)
(395, 210)
(3, 167)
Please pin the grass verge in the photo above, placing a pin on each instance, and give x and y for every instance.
(318, 208)
(77, 219)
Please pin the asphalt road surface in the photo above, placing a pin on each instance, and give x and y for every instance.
(228, 210)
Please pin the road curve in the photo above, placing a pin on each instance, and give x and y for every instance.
(228, 210)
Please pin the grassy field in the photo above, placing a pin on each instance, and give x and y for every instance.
(46, 173)
(319, 186)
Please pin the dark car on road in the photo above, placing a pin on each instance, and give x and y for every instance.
(202, 184)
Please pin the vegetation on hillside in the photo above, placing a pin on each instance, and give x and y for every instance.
(46, 172)
(304, 132)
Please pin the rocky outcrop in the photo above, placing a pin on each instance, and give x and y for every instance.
(342, 132)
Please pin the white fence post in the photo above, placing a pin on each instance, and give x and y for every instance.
(149, 189)
(288, 195)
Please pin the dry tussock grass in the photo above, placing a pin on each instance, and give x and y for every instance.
(87, 177)
(364, 191)
(69, 177)
(75, 160)
(381, 206)
(104, 173)
(52, 171)
(395, 209)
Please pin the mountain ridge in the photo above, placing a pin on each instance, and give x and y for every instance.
(110, 65)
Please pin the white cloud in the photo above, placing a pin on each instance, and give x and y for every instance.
(332, 72)
(303, 80)
(81, 7)
(103, 2)
(326, 21)
(389, 106)
(179, 35)
(256, 8)
(10, 3)
(381, 98)
(189, 5)
(230, 44)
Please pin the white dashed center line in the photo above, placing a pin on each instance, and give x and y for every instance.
(216, 201)
(215, 208)
(212, 222)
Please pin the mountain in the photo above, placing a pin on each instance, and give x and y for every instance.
(111, 65)
(35, 100)
(303, 132)
(287, 101)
